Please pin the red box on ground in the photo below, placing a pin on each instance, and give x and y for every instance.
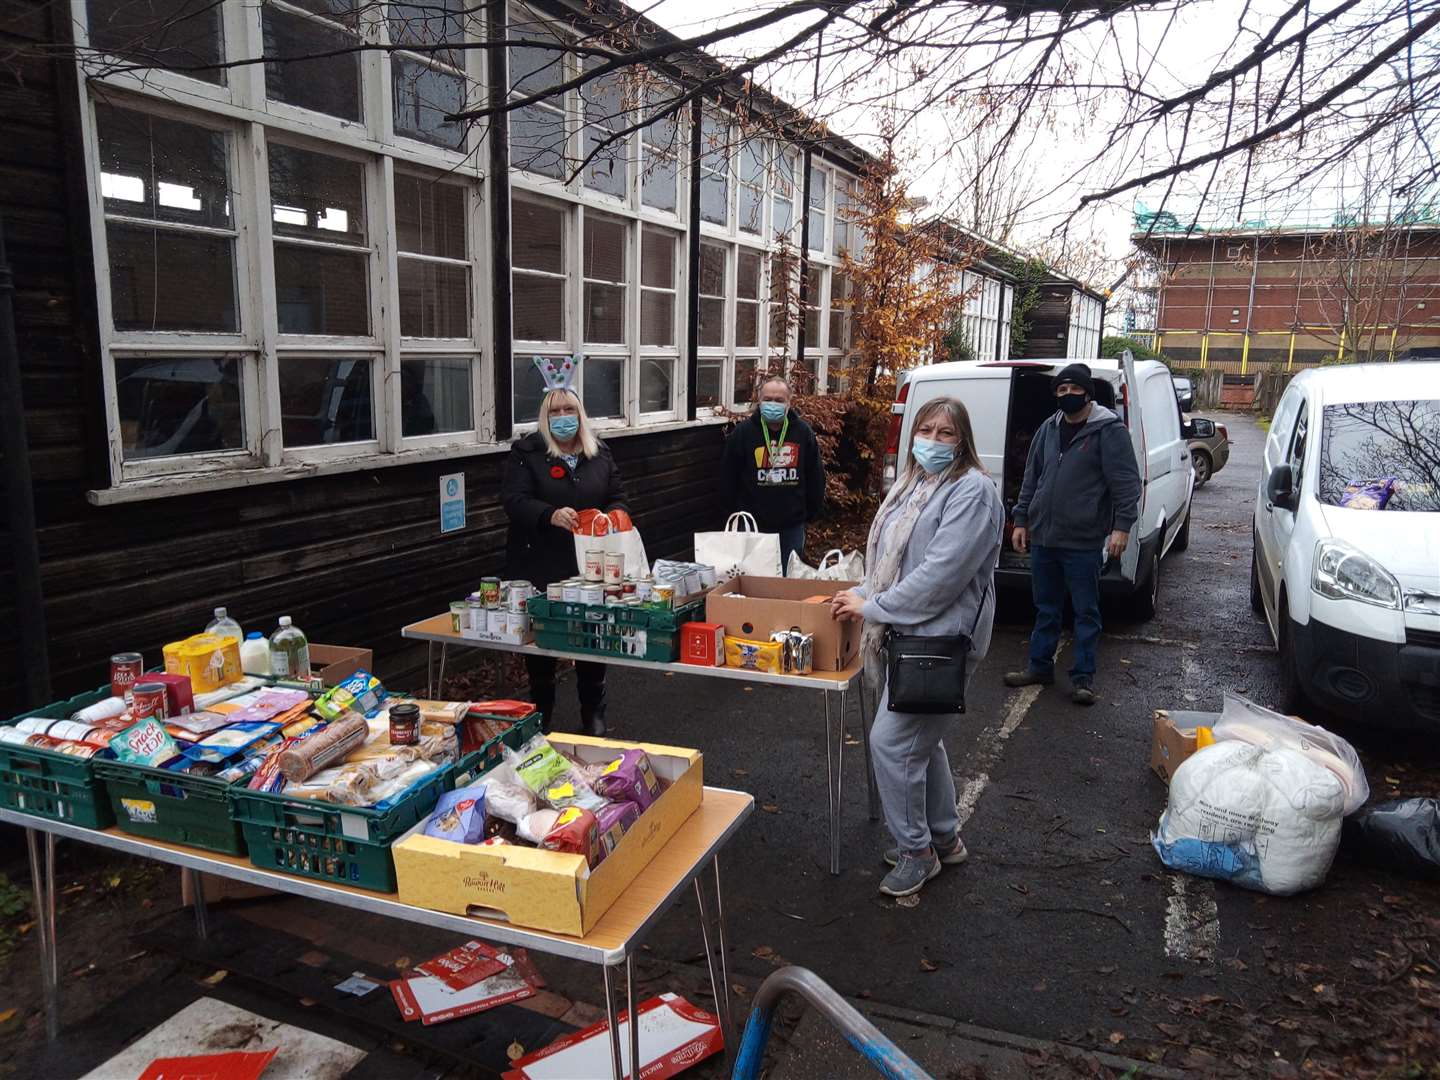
(702, 643)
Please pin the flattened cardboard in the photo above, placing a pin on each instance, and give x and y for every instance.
(549, 890)
(769, 604)
(1174, 739)
(332, 664)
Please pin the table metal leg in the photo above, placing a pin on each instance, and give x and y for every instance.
(839, 788)
(867, 720)
(727, 1017)
(830, 785)
(630, 1014)
(202, 911)
(617, 1067)
(42, 883)
(430, 670)
(440, 686)
(720, 992)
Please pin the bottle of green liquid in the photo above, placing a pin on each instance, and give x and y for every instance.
(289, 652)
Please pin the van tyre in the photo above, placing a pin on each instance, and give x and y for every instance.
(1182, 538)
(1146, 601)
(1292, 692)
(1200, 462)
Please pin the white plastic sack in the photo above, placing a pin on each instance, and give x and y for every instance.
(609, 538)
(1247, 722)
(844, 567)
(1263, 819)
(740, 549)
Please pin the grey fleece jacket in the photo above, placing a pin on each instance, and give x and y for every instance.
(1077, 498)
(948, 569)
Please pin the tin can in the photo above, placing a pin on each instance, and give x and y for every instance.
(459, 615)
(572, 592)
(148, 699)
(404, 724)
(643, 586)
(628, 588)
(495, 620)
(518, 622)
(555, 591)
(707, 577)
(592, 594)
(490, 591)
(662, 597)
(614, 599)
(126, 668)
(521, 590)
(614, 567)
(595, 564)
(476, 609)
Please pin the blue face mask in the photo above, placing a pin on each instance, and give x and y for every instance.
(773, 411)
(564, 427)
(933, 457)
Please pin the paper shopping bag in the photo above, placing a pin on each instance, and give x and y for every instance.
(739, 550)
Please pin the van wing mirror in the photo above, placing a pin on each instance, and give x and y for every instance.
(1280, 487)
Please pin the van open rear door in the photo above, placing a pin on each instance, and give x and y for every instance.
(1128, 401)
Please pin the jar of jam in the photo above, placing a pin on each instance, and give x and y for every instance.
(404, 723)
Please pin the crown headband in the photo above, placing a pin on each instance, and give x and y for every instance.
(558, 375)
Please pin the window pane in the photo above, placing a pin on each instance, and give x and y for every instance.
(752, 162)
(657, 258)
(604, 314)
(785, 175)
(659, 180)
(433, 22)
(538, 308)
(707, 382)
(605, 248)
(316, 196)
(812, 328)
(747, 275)
(712, 270)
(434, 395)
(657, 318)
(750, 209)
(321, 292)
(783, 217)
(714, 198)
(180, 34)
(534, 68)
(328, 84)
(325, 399)
(656, 376)
(712, 322)
(747, 325)
(178, 405)
(714, 140)
(423, 97)
(745, 370)
(602, 378)
(537, 236)
(815, 219)
(818, 177)
(161, 169)
(537, 140)
(837, 330)
(434, 299)
(527, 389)
(607, 170)
(429, 217)
(166, 280)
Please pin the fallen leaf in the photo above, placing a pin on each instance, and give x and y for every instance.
(1116, 1038)
(6, 1015)
(739, 772)
(926, 965)
(770, 808)
(740, 989)
(113, 881)
(215, 979)
(309, 1003)
(749, 689)
(1124, 661)
(908, 901)
(1108, 969)
(1391, 780)
(515, 1051)
(402, 963)
(763, 952)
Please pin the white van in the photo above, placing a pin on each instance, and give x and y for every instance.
(1346, 564)
(1009, 400)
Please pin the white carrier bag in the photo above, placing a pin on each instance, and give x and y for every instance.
(739, 550)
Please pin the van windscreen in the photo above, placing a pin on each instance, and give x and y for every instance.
(1381, 455)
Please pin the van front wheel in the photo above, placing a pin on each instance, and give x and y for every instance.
(1146, 601)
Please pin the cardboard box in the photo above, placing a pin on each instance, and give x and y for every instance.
(332, 664)
(549, 890)
(1174, 739)
(702, 643)
(218, 889)
(769, 604)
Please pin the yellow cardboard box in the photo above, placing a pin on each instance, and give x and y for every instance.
(210, 661)
(550, 890)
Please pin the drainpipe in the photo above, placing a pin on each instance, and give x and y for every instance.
(1250, 309)
(24, 544)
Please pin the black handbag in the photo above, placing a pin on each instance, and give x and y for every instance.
(927, 674)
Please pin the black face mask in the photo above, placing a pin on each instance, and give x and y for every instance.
(1070, 404)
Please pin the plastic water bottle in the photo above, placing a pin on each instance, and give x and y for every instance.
(224, 626)
(255, 654)
(289, 652)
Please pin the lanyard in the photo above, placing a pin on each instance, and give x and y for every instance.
(770, 447)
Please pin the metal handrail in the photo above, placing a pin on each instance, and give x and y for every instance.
(879, 1052)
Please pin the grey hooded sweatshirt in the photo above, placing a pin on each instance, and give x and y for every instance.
(1075, 499)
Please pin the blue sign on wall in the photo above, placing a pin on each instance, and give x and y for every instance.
(452, 502)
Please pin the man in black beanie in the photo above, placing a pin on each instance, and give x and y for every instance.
(1078, 503)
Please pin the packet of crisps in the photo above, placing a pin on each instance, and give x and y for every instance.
(145, 743)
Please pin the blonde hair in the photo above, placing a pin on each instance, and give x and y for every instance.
(966, 456)
(589, 445)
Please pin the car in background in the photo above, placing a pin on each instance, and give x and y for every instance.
(1184, 392)
(1346, 563)
(1209, 447)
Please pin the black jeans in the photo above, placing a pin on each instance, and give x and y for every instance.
(591, 679)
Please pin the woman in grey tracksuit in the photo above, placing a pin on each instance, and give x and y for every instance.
(930, 570)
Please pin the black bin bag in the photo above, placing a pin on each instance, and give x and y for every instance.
(1401, 835)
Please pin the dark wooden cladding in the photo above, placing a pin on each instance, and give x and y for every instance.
(1049, 335)
(351, 557)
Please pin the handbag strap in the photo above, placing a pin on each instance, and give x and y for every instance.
(890, 631)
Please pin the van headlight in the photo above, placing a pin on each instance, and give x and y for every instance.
(1346, 573)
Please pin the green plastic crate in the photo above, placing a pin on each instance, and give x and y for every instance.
(56, 786)
(567, 635)
(176, 807)
(665, 619)
(346, 844)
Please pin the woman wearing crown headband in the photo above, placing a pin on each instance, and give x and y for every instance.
(552, 475)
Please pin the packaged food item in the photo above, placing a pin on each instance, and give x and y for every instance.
(126, 668)
(16, 737)
(495, 841)
(210, 661)
(614, 567)
(404, 719)
(490, 591)
(551, 776)
(763, 656)
(195, 726)
(232, 741)
(105, 709)
(179, 692)
(494, 827)
(797, 650)
(149, 699)
(534, 826)
(361, 692)
(506, 797)
(629, 778)
(459, 816)
(702, 643)
(572, 790)
(613, 822)
(576, 831)
(440, 712)
(314, 752)
(144, 743)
